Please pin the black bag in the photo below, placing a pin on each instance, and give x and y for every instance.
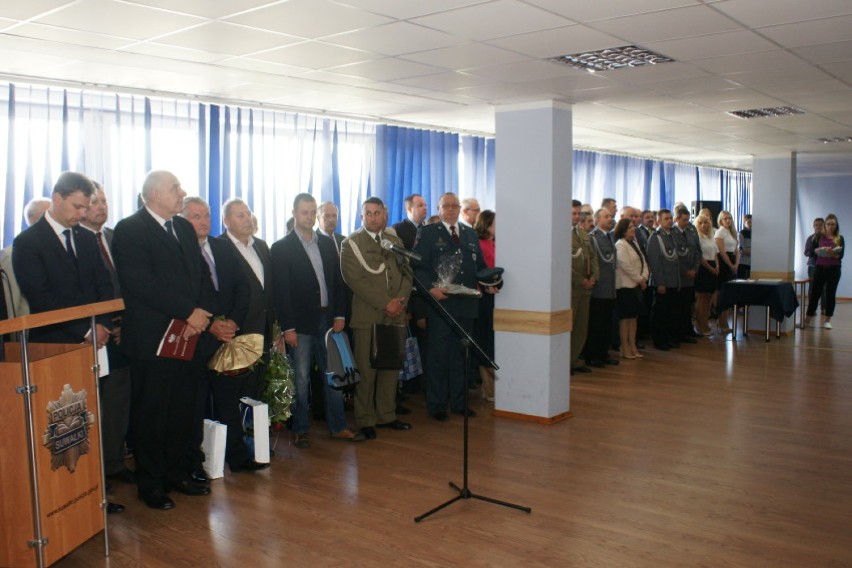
(387, 346)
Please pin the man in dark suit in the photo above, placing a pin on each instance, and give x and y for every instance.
(232, 288)
(309, 299)
(445, 363)
(327, 215)
(415, 213)
(254, 253)
(58, 264)
(115, 387)
(163, 277)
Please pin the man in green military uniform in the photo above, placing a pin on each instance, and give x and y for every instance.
(584, 276)
(381, 286)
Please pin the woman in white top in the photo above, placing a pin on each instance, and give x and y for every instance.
(631, 278)
(707, 280)
(729, 258)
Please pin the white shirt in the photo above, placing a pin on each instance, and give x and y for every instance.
(709, 250)
(59, 229)
(249, 254)
(730, 240)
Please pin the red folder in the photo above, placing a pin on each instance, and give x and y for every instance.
(173, 345)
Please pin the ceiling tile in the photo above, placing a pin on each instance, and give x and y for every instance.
(309, 18)
(812, 32)
(69, 36)
(14, 61)
(585, 11)
(172, 52)
(711, 45)
(653, 73)
(523, 71)
(445, 81)
(669, 24)
(758, 13)
(826, 53)
(260, 66)
(314, 55)
(776, 59)
(464, 56)
(558, 41)
(222, 37)
(406, 9)
(205, 8)
(692, 85)
(334, 78)
(766, 80)
(134, 21)
(387, 69)
(394, 39)
(493, 20)
(30, 8)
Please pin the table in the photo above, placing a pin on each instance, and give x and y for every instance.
(778, 297)
(802, 295)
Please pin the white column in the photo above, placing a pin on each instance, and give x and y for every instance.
(773, 226)
(532, 319)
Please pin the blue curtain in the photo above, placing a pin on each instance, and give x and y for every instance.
(409, 161)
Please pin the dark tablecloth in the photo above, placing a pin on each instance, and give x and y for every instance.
(779, 296)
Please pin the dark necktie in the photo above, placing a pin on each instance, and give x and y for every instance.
(69, 248)
(104, 252)
(379, 239)
(212, 266)
(453, 234)
(170, 230)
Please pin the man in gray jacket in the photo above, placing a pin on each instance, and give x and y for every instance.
(665, 278)
(689, 259)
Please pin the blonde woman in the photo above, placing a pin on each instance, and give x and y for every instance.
(707, 280)
(729, 258)
(829, 253)
(631, 278)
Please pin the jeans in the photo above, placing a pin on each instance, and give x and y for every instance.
(312, 347)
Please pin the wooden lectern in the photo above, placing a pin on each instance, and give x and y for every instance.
(51, 471)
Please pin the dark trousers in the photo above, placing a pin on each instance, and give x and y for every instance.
(684, 300)
(445, 365)
(225, 394)
(663, 330)
(115, 416)
(824, 287)
(600, 329)
(164, 395)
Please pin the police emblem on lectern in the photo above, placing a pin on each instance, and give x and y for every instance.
(67, 433)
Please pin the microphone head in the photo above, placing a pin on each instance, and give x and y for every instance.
(387, 245)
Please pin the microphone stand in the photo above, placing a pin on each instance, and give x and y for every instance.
(467, 341)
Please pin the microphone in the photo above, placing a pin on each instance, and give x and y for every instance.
(388, 245)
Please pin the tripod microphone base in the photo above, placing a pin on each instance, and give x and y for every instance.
(465, 493)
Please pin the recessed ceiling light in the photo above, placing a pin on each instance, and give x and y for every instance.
(766, 112)
(612, 58)
(835, 140)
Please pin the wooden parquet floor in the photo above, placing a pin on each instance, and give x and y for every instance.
(718, 454)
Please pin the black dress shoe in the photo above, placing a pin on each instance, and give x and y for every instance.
(662, 347)
(611, 361)
(395, 425)
(468, 411)
(441, 416)
(200, 476)
(249, 466)
(688, 340)
(190, 488)
(582, 369)
(369, 432)
(674, 344)
(401, 410)
(597, 364)
(157, 500)
(113, 508)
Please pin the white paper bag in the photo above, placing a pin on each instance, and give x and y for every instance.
(256, 427)
(213, 447)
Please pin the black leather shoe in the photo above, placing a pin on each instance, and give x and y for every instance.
(369, 432)
(469, 412)
(441, 416)
(611, 361)
(688, 340)
(662, 347)
(157, 500)
(582, 369)
(395, 425)
(249, 466)
(674, 344)
(190, 488)
(200, 476)
(401, 410)
(113, 508)
(597, 364)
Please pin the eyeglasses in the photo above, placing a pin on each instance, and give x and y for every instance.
(450, 206)
(831, 224)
